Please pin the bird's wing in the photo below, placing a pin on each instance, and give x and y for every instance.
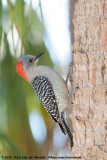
(44, 91)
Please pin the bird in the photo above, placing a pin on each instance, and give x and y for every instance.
(50, 87)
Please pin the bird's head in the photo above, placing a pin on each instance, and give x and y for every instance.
(25, 64)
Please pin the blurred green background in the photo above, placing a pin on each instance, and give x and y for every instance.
(21, 112)
(20, 22)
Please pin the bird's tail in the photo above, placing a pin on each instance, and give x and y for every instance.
(62, 128)
(67, 129)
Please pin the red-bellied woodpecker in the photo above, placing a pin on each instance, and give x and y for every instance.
(50, 87)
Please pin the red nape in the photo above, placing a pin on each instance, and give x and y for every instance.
(20, 70)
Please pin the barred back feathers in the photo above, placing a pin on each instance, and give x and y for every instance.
(43, 89)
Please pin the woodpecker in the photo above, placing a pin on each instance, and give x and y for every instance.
(50, 87)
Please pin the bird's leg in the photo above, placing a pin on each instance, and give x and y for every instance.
(72, 93)
(68, 74)
(67, 129)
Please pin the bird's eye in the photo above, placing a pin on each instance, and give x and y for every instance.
(30, 60)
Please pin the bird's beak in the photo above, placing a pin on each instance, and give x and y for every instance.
(38, 55)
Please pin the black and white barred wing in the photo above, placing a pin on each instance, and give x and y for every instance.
(44, 91)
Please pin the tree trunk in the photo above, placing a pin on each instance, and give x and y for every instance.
(89, 51)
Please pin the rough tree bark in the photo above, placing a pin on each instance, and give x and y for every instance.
(89, 51)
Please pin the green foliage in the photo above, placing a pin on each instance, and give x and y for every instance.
(40, 9)
(0, 24)
(17, 16)
(9, 146)
(16, 95)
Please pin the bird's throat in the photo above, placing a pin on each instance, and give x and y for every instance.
(20, 70)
